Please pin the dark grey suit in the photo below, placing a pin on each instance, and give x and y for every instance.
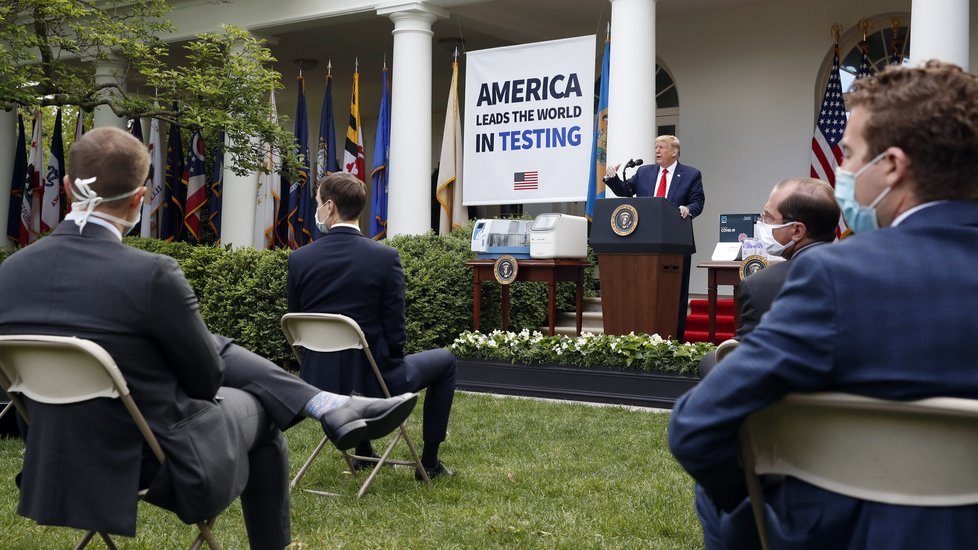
(220, 442)
(755, 296)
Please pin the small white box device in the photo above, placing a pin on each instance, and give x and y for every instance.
(558, 236)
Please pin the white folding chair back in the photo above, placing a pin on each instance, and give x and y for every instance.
(59, 370)
(330, 332)
(914, 453)
(726, 347)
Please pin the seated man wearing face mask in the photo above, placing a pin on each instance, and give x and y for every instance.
(345, 272)
(800, 214)
(886, 313)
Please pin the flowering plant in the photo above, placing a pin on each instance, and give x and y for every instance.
(630, 351)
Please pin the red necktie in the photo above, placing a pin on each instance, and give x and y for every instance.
(661, 190)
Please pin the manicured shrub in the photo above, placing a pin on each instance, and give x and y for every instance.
(241, 291)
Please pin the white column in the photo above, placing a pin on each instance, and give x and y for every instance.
(238, 206)
(631, 91)
(8, 143)
(940, 31)
(409, 201)
(110, 71)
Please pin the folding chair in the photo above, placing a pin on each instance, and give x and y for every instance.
(914, 453)
(726, 347)
(328, 332)
(59, 370)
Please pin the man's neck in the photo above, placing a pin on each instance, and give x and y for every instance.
(354, 224)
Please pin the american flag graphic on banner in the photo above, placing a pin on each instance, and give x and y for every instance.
(526, 181)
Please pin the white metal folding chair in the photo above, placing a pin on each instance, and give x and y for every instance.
(915, 453)
(329, 332)
(59, 370)
(726, 347)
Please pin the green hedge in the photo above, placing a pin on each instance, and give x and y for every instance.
(242, 291)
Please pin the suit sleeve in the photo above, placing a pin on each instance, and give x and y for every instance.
(393, 310)
(291, 286)
(749, 314)
(178, 329)
(621, 188)
(696, 199)
(791, 350)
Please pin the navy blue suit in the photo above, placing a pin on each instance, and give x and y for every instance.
(885, 314)
(346, 273)
(686, 189)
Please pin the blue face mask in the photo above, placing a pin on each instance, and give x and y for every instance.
(859, 218)
(321, 226)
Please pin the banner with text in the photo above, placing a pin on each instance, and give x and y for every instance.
(529, 118)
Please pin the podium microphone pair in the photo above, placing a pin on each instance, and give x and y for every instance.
(633, 163)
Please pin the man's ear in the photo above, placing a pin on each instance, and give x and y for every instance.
(899, 171)
(68, 193)
(799, 231)
(137, 197)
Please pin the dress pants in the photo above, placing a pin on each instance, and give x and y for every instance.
(435, 370)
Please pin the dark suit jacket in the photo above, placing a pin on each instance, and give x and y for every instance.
(686, 188)
(139, 307)
(758, 291)
(885, 314)
(346, 273)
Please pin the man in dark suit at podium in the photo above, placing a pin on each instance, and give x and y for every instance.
(678, 183)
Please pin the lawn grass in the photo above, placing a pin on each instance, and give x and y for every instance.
(531, 474)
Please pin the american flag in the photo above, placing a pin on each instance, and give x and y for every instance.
(896, 56)
(826, 153)
(526, 181)
(865, 69)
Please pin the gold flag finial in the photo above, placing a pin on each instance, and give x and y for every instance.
(836, 31)
(865, 25)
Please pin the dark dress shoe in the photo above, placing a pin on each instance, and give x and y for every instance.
(360, 465)
(363, 418)
(439, 470)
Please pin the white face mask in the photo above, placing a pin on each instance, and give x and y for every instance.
(320, 225)
(766, 236)
(88, 199)
(124, 223)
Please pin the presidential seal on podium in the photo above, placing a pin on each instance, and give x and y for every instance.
(624, 220)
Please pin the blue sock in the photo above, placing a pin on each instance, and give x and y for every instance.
(323, 402)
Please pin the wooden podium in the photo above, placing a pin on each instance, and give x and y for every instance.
(641, 271)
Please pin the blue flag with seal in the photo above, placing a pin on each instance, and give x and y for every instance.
(299, 221)
(17, 180)
(599, 146)
(216, 189)
(172, 219)
(379, 173)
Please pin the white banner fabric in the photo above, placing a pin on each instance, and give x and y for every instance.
(529, 120)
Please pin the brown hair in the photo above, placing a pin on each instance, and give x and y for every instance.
(931, 113)
(812, 202)
(118, 161)
(346, 191)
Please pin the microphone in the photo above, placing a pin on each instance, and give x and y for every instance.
(633, 163)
